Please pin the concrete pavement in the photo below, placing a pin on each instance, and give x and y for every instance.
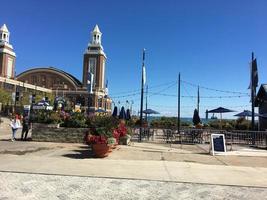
(138, 169)
(25, 186)
(38, 170)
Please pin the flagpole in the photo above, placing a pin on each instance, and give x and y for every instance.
(142, 98)
(146, 99)
(252, 99)
(178, 104)
(198, 99)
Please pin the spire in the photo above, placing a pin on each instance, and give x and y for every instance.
(4, 34)
(96, 29)
(4, 29)
(96, 36)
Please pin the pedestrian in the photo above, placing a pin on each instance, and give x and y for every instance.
(26, 126)
(15, 125)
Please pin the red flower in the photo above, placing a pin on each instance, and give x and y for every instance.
(121, 131)
(97, 139)
(116, 135)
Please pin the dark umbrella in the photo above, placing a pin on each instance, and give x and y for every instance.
(150, 111)
(122, 113)
(196, 118)
(246, 113)
(128, 114)
(115, 111)
(220, 110)
(263, 115)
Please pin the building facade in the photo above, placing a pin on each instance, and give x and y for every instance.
(91, 93)
(7, 55)
(261, 103)
(7, 71)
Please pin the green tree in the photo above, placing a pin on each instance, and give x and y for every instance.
(5, 97)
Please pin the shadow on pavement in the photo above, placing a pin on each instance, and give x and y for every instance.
(17, 139)
(83, 153)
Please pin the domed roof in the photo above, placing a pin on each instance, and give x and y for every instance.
(73, 79)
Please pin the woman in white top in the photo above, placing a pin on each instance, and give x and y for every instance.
(15, 125)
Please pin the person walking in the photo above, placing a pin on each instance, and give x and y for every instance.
(26, 125)
(15, 125)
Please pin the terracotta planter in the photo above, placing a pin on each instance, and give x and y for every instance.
(100, 150)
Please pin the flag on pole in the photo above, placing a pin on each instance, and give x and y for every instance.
(90, 82)
(144, 68)
(254, 75)
(106, 88)
(144, 74)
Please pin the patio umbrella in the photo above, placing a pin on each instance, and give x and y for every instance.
(128, 114)
(122, 113)
(263, 115)
(246, 113)
(150, 111)
(220, 110)
(115, 111)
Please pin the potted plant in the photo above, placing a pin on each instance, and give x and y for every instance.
(100, 140)
(121, 134)
(99, 146)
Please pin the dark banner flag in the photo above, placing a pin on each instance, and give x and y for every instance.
(254, 75)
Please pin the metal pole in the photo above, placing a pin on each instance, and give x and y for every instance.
(142, 96)
(179, 110)
(146, 100)
(15, 103)
(252, 87)
(198, 99)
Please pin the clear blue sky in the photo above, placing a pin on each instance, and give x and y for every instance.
(209, 42)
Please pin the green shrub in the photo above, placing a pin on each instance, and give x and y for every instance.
(47, 117)
(75, 120)
(167, 122)
(242, 124)
(102, 121)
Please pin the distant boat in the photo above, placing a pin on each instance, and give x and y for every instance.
(213, 117)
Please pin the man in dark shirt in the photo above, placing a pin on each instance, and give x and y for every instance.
(25, 127)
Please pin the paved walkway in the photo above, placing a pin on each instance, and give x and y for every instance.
(137, 169)
(35, 170)
(35, 187)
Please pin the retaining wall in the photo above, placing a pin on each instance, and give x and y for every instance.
(52, 133)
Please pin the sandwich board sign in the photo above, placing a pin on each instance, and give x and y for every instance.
(217, 143)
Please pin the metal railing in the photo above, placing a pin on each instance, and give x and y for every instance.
(202, 136)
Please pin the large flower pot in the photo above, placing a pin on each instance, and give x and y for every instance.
(100, 150)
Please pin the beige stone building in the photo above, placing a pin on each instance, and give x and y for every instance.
(90, 93)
